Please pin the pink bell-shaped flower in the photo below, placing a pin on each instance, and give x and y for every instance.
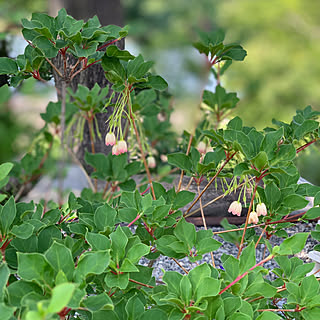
(253, 218)
(261, 209)
(115, 151)
(122, 147)
(235, 208)
(151, 161)
(110, 139)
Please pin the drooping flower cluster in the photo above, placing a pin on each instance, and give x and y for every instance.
(119, 148)
(235, 208)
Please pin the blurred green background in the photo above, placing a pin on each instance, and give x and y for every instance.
(280, 74)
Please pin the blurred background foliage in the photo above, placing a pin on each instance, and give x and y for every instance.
(280, 74)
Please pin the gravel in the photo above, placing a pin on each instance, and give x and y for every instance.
(168, 264)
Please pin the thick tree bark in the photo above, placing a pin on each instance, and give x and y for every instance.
(108, 12)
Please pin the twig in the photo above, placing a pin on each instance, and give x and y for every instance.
(205, 224)
(182, 171)
(55, 68)
(263, 231)
(210, 182)
(181, 266)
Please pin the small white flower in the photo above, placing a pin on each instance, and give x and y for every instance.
(151, 162)
(235, 208)
(122, 147)
(261, 209)
(202, 147)
(110, 139)
(253, 218)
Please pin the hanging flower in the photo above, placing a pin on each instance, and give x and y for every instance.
(122, 147)
(253, 218)
(115, 151)
(261, 209)
(151, 162)
(110, 139)
(235, 208)
(202, 147)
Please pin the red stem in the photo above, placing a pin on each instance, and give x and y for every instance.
(134, 220)
(306, 145)
(244, 274)
(107, 44)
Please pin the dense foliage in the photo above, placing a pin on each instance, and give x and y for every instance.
(80, 259)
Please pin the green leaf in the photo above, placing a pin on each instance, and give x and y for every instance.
(295, 202)
(134, 308)
(270, 141)
(231, 305)
(199, 272)
(7, 215)
(4, 276)
(310, 313)
(180, 160)
(119, 242)
(306, 127)
(98, 241)
(261, 160)
(6, 311)
(60, 258)
(32, 266)
(268, 315)
(8, 66)
(92, 263)
(98, 302)
(261, 289)
(182, 198)
(247, 258)
(18, 289)
(114, 51)
(46, 46)
(104, 217)
(23, 231)
(137, 251)
(207, 287)
(186, 290)
(5, 169)
(157, 83)
(128, 266)
(172, 279)
(61, 295)
(153, 314)
(294, 244)
(312, 213)
(186, 232)
(309, 288)
(117, 280)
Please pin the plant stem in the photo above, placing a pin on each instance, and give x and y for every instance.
(245, 273)
(210, 182)
(263, 231)
(306, 145)
(90, 126)
(247, 218)
(140, 146)
(180, 265)
(204, 223)
(55, 68)
(214, 200)
(141, 284)
(182, 172)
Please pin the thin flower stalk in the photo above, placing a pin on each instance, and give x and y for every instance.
(205, 224)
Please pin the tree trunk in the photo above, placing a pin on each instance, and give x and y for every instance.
(108, 12)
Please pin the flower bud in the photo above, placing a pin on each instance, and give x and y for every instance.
(253, 218)
(235, 208)
(122, 147)
(151, 162)
(202, 147)
(261, 209)
(110, 139)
